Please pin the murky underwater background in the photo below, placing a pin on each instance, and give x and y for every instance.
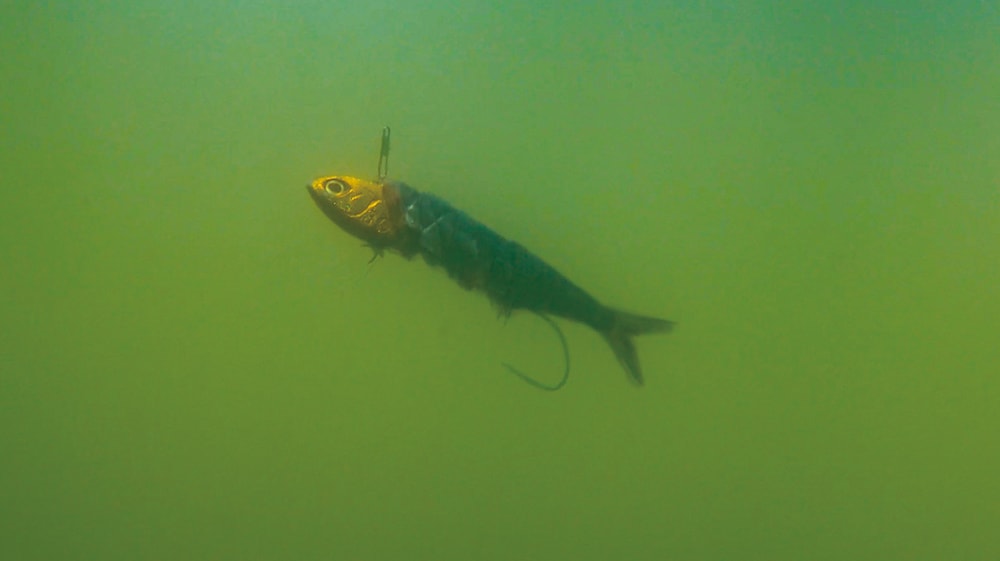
(196, 364)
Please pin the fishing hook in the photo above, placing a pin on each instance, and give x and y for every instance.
(565, 347)
(383, 154)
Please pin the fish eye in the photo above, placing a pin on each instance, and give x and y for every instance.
(335, 187)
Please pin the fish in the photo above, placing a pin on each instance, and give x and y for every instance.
(389, 215)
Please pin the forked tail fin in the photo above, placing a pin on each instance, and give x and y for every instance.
(620, 335)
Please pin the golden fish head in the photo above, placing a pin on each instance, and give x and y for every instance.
(358, 206)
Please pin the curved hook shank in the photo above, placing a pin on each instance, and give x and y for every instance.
(535, 382)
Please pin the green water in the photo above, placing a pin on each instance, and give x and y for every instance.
(196, 364)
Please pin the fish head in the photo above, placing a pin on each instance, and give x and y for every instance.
(364, 209)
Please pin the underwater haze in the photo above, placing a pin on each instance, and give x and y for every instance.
(195, 363)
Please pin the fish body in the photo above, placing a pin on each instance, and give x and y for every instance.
(392, 215)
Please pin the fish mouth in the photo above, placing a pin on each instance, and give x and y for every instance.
(314, 194)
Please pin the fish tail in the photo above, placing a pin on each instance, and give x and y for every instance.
(625, 326)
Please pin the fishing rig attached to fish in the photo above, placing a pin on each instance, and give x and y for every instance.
(389, 214)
